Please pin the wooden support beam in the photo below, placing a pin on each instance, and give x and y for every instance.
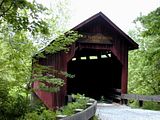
(140, 103)
(154, 98)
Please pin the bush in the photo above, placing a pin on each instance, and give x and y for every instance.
(45, 115)
(151, 105)
(14, 107)
(80, 103)
(31, 116)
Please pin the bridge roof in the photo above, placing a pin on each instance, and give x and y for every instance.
(132, 45)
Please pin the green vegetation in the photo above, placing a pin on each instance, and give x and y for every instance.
(23, 32)
(43, 115)
(144, 63)
(80, 103)
(95, 118)
(146, 105)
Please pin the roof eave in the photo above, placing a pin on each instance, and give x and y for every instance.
(134, 45)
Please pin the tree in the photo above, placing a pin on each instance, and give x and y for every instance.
(144, 64)
(23, 23)
(23, 15)
(151, 23)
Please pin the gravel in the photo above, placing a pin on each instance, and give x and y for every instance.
(122, 112)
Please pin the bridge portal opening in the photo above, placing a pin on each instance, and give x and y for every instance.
(97, 73)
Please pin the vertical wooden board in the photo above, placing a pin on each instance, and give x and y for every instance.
(46, 97)
(120, 50)
(124, 77)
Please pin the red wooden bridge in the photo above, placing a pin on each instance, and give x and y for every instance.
(99, 61)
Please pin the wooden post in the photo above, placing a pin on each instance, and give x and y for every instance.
(124, 77)
(124, 102)
(140, 103)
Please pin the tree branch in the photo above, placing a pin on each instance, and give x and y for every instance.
(1, 3)
(6, 10)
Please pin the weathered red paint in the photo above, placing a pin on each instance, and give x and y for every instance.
(120, 46)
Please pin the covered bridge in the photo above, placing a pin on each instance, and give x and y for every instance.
(99, 61)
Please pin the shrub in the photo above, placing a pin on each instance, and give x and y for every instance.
(14, 107)
(151, 105)
(45, 115)
(80, 103)
(31, 116)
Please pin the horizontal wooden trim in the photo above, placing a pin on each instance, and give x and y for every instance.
(107, 42)
(97, 38)
(155, 98)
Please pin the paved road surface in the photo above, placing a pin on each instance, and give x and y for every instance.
(122, 112)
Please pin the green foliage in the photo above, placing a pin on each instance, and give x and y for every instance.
(15, 71)
(55, 85)
(62, 42)
(144, 70)
(146, 105)
(4, 90)
(80, 103)
(95, 118)
(31, 116)
(16, 54)
(151, 105)
(23, 15)
(14, 107)
(44, 115)
(151, 23)
(48, 82)
(67, 75)
(79, 96)
(23, 28)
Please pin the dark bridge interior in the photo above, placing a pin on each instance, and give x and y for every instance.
(97, 73)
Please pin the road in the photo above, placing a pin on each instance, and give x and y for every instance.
(122, 112)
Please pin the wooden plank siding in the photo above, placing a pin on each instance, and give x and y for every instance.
(59, 62)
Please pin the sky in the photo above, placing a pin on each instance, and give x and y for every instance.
(121, 12)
